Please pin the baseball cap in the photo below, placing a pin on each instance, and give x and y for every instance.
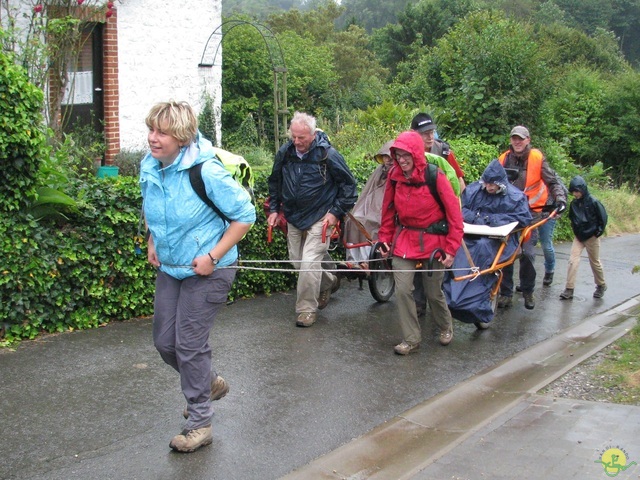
(422, 123)
(520, 131)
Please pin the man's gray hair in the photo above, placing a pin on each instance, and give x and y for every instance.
(301, 118)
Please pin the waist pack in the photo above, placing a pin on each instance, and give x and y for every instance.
(441, 227)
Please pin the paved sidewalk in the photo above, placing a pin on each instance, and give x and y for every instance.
(542, 437)
(495, 426)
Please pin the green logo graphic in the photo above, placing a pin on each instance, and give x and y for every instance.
(614, 461)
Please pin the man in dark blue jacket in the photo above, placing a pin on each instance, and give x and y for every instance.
(312, 185)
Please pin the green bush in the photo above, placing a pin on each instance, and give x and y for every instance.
(22, 140)
(128, 162)
(254, 246)
(573, 115)
(81, 273)
(488, 72)
(473, 156)
(620, 130)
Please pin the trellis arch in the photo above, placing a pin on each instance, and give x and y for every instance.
(280, 110)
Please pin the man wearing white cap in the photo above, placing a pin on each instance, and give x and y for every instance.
(539, 182)
(426, 127)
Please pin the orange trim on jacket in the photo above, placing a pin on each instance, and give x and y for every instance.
(535, 189)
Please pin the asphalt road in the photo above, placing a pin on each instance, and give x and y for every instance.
(101, 404)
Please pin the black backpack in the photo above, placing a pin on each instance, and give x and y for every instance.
(195, 177)
(430, 180)
(440, 227)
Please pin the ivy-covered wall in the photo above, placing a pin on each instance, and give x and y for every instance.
(83, 271)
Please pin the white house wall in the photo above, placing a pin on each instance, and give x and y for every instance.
(160, 44)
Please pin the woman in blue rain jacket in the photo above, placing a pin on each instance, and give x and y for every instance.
(189, 244)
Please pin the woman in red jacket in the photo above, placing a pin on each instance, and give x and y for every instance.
(416, 220)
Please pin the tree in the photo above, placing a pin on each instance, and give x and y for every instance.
(353, 64)
(573, 115)
(247, 80)
(312, 80)
(564, 47)
(620, 128)
(317, 24)
(549, 13)
(587, 15)
(486, 75)
(625, 22)
(258, 9)
(419, 25)
(371, 14)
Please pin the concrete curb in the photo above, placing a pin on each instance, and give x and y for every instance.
(408, 443)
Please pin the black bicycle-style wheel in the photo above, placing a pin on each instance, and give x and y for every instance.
(381, 284)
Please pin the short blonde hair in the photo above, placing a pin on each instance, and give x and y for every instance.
(174, 118)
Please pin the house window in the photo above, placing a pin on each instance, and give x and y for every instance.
(79, 88)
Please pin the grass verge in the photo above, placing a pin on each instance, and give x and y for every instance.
(621, 369)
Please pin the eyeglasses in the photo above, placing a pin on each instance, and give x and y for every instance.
(406, 156)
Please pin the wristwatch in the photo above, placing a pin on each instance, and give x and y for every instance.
(214, 261)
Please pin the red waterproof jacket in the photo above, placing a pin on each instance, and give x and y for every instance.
(408, 207)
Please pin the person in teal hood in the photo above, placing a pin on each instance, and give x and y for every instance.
(189, 244)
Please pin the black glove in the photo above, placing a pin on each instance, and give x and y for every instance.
(561, 206)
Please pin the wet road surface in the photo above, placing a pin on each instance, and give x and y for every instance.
(102, 404)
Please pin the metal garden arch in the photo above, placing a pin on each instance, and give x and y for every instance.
(280, 111)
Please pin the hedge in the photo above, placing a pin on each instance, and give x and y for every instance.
(84, 272)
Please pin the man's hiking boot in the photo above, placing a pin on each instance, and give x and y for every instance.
(548, 279)
(306, 319)
(529, 301)
(405, 348)
(325, 295)
(335, 286)
(567, 294)
(600, 289)
(504, 301)
(191, 440)
(219, 388)
(446, 336)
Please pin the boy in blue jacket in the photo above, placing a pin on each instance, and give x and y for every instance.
(588, 221)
